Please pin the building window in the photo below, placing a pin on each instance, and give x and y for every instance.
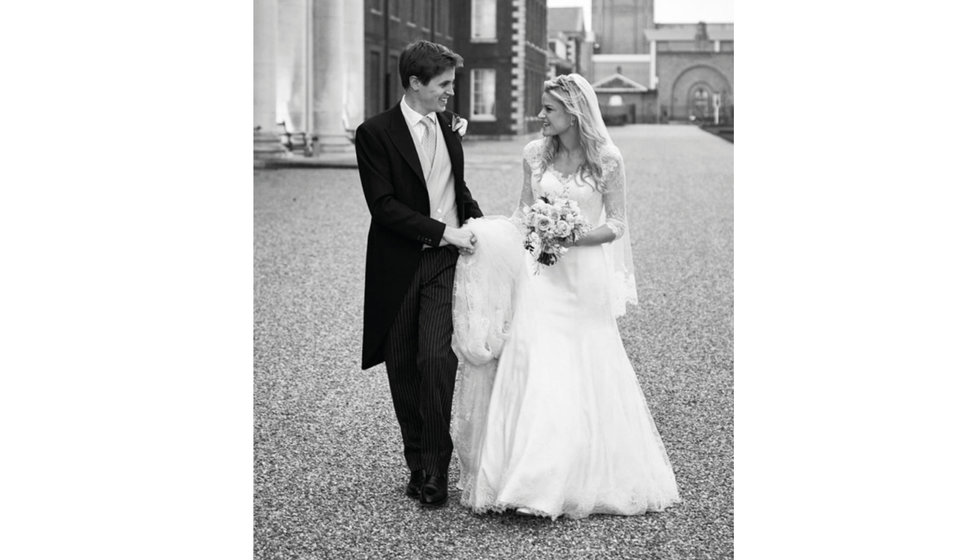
(424, 14)
(445, 14)
(483, 20)
(483, 94)
(375, 79)
(394, 80)
(439, 18)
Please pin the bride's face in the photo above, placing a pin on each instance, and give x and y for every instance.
(554, 118)
(435, 95)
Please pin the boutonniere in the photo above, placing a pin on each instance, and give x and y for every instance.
(459, 125)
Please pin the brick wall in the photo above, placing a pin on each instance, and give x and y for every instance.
(678, 72)
(636, 71)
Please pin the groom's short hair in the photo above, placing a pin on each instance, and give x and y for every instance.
(425, 59)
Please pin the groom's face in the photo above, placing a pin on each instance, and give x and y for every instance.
(435, 95)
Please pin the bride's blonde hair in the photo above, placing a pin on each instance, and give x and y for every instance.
(569, 91)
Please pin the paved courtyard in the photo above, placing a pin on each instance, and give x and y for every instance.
(329, 473)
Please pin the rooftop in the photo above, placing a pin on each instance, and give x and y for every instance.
(688, 31)
(565, 19)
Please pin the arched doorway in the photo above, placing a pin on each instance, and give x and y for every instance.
(699, 102)
(692, 94)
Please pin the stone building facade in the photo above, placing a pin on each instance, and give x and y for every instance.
(619, 25)
(504, 47)
(569, 43)
(321, 67)
(308, 81)
(695, 69)
(622, 70)
(649, 72)
(389, 27)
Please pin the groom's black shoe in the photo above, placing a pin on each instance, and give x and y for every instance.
(434, 491)
(414, 488)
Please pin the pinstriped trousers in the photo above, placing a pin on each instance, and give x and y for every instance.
(421, 364)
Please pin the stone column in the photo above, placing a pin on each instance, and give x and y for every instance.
(338, 71)
(265, 142)
(653, 65)
(354, 42)
(291, 66)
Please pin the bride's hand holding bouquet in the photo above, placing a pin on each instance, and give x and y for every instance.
(552, 225)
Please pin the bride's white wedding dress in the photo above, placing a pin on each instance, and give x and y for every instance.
(558, 424)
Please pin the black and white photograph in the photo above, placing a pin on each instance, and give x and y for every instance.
(494, 279)
(457, 279)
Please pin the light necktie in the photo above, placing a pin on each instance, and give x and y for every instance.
(428, 144)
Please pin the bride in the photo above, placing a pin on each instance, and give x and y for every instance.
(550, 419)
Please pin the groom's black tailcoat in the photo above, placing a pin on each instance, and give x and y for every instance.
(395, 191)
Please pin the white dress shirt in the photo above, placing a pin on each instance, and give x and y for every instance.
(440, 181)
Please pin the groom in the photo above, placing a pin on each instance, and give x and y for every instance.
(411, 168)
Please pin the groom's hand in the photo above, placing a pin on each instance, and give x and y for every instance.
(464, 239)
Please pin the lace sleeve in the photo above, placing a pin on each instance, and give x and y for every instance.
(614, 194)
(527, 191)
(622, 288)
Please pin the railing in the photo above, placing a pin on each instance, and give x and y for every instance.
(299, 142)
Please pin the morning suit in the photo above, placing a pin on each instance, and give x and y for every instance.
(409, 277)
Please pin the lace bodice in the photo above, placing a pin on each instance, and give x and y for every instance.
(608, 193)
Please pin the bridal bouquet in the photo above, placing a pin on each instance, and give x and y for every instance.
(547, 224)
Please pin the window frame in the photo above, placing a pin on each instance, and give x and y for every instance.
(474, 5)
(491, 115)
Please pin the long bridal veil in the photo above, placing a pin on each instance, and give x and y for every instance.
(485, 295)
(619, 254)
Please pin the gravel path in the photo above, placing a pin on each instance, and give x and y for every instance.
(328, 468)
